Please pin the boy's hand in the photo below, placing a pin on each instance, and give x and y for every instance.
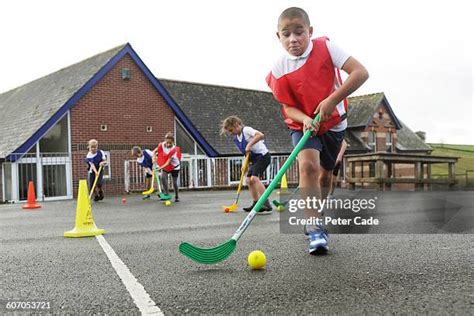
(248, 149)
(308, 124)
(325, 109)
(103, 163)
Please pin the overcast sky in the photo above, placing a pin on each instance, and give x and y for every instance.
(418, 52)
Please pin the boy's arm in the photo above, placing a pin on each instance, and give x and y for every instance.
(256, 138)
(298, 116)
(93, 167)
(357, 76)
(104, 159)
(342, 151)
(165, 164)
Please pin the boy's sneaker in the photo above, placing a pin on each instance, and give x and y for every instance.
(248, 209)
(96, 198)
(101, 195)
(305, 232)
(176, 199)
(318, 242)
(266, 207)
(146, 197)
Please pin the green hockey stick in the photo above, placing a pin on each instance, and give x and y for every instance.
(284, 202)
(223, 251)
(163, 196)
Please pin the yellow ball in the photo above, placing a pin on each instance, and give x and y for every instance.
(257, 259)
(280, 208)
(167, 203)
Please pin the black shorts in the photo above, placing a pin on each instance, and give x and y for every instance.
(174, 173)
(148, 175)
(327, 144)
(257, 168)
(92, 179)
(335, 171)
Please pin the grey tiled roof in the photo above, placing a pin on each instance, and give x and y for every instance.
(361, 108)
(26, 108)
(207, 105)
(407, 140)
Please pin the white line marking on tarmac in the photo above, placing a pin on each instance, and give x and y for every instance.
(140, 297)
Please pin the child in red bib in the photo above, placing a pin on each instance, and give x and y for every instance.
(306, 81)
(169, 159)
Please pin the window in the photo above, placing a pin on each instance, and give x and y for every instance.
(56, 140)
(372, 139)
(389, 142)
(106, 168)
(184, 141)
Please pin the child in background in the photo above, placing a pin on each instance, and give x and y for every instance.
(145, 159)
(169, 159)
(94, 159)
(250, 141)
(306, 81)
(336, 169)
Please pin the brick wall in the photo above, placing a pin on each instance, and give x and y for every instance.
(127, 107)
(1, 182)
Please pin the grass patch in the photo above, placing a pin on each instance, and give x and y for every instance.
(465, 162)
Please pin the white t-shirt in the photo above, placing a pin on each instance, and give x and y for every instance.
(288, 63)
(140, 159)
(249, 134)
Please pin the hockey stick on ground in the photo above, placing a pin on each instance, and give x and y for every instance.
(223, 251)
(233, 207)
(152, 188)
(162, 195)
(287, 198)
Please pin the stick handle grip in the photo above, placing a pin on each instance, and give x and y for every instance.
(95, 181)
(274, 182)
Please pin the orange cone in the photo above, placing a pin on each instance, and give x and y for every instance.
(31, 202)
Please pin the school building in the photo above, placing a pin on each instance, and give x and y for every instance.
(114, 98)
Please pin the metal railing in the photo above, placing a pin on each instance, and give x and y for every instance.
(204, 172)
(50, 173)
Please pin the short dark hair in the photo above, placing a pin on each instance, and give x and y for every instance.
(292, 13)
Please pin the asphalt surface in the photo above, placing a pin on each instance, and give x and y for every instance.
(362, 273)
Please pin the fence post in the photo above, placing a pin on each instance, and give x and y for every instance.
(126, 172)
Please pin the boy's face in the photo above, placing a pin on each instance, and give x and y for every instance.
(294, 35)
(93, 148)
(168, 143)
(137, 155)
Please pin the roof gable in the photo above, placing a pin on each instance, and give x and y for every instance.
(37, 106)
(361, 110)
(30, 110)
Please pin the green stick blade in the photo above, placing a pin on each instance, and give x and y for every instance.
(208, 255)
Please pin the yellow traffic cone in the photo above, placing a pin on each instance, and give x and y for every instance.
(283, 185)
(85, 225)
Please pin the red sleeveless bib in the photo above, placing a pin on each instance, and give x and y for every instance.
(307, 86)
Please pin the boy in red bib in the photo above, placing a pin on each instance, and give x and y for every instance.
(306, 81)
(169, 159)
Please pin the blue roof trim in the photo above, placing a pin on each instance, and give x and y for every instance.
(20, 151)
(208, 149)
